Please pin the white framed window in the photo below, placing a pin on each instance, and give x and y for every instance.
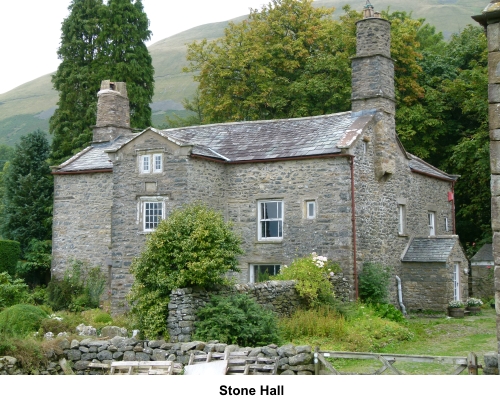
(431, 219)
(151, 210)
(401, 219)
(270, 220)
(151, 163)
(145, 163)
(157, 163)
(310, 209)
(262, 272)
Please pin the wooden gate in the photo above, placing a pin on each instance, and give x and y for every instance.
(324, 367)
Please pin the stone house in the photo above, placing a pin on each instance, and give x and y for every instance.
(482, 266)
(341, 185)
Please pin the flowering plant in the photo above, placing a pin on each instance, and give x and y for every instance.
(474, 302)
(456, 304)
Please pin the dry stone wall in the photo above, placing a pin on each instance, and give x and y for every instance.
(280, 296)
(76, 356)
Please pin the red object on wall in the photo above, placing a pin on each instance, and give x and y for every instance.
(450, 196)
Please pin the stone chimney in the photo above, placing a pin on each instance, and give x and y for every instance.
(373, 85)
(113, 112)
(490, 20)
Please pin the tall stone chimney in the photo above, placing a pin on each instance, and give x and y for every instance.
(113, 112)
(373, 85)
(490, 20)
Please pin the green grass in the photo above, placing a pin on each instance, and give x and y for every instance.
(434, 336)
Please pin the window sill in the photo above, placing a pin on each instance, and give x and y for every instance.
(403, 235)
(264, 241)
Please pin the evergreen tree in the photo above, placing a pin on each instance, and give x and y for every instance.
(77, 79)
(28, 192)
(99, 42)
(126, 58)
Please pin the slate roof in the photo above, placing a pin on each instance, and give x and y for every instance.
(429, 249)
(252, 141)
(262, 140)
(93, 157)
(419, 165)
(485, 254)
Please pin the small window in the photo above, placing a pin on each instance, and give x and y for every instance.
(431, 217)
(270, 220)
(145, 164)
(158, 164)
(262, 272)
(311, 209)
(365, 147)
(401, 219)
(153, 214)
(446, 224)
(151, 163)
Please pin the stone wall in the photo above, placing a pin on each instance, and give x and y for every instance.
(81, 227)
(325, 181)
(75, 356)
(482, 281)
(279, 296)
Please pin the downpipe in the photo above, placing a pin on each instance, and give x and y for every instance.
(400, 296)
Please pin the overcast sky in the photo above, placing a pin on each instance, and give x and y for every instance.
(30, 30)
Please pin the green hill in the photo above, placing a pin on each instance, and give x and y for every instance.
(30, 105)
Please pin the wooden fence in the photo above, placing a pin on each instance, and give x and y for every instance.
(324, 367)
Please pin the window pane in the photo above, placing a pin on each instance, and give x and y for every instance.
(157, 163)
(262, 272)
(152, 214)
(274, 229)
(310, 209)
(145, 163)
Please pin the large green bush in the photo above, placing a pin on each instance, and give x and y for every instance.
(311, 274)
(20, 320)
(374, 283)
(10, 252)
(192, 247)
(13, 291)
(236, 319)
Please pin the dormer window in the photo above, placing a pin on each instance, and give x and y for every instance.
(151, 163)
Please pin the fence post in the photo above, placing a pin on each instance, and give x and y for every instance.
(316, 361)
(472, 363)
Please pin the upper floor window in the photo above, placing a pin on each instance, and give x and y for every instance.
(401, 219)
(270, 220)
(446, 224)
(151, 163)
(311, 209)
(431, 218)
(153, 214)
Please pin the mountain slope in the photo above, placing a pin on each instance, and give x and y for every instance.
(29, 106)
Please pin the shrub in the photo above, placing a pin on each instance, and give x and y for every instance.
(13, 291)
(311, 274)
(389, 311)
(236, 319)
(10, 252)
(192, 247)
(35, 270)
(80, 288)
(374, 283)
(20, 320)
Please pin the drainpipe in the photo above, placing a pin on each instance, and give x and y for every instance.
(353, 218)
(400, 296)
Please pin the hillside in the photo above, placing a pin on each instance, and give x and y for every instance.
(30, 105)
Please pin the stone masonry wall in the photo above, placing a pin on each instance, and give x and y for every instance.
(279, 296)
(325, 181)
(378, 239)
(80, 200)
(292, 360)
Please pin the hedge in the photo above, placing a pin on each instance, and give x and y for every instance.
(10, 252)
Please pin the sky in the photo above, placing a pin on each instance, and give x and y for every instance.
(30, 30)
